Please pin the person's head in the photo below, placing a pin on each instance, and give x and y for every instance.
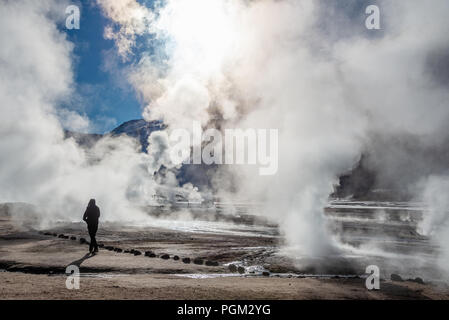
(91, 203)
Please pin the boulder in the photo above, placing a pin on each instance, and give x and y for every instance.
(47, 234)
(72, 238)
(101, 245)
(417, 280)
(396, 277)
(198, 261)
(82, 240)
(176, 258)
(266, 274)
(232, 268)
(211, 263)
(137, 253)
(61, 236)
(241, 270)
(165, 256)
(186, 260)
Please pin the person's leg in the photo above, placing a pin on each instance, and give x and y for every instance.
(93, 239)
(94, 243)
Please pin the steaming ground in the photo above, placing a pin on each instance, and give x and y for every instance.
(378, 233)
(333, 96)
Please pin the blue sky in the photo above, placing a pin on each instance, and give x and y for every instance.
(102, 92)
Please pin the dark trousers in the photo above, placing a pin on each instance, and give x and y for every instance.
(92, 228)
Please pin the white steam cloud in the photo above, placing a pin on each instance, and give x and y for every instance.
(435, 223)
(37, 164)
(226, 63)
(268, 64)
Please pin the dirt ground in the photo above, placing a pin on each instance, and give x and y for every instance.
(16, 285)
(33, 264)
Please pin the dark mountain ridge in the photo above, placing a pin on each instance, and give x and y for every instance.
(139, 129)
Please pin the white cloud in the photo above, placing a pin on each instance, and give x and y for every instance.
(266, 64)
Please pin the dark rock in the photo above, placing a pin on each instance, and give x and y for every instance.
(186, 260)
(417, 280)
(118, 250)
(126, 251)
(396, 277)
(211, 263)
(110, 248)
(165, 256)
(54, 234)
(266, 274)
(47, 234)
(147, 253)
(176, 258)
(137, 253)
(241, 270)
(82, 240)
(198, 261)
(61, 236)
(101, 245)
(232, 268)
(72, 238)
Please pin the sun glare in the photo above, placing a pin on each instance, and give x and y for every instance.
(203, 31)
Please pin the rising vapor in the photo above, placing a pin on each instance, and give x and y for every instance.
(283, 64)
(231, 64)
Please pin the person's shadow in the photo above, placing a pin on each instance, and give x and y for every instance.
(80, 261)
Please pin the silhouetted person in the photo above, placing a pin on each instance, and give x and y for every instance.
(91, 216)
